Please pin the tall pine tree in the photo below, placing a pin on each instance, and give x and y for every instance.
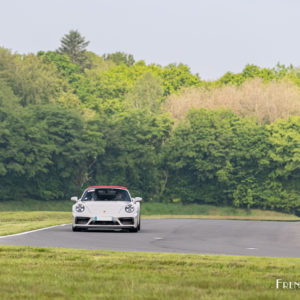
(74, 45)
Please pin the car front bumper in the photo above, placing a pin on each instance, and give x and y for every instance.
(105, 222)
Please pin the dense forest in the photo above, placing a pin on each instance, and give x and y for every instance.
(71, 118)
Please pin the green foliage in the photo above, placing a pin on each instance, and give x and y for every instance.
(70, 118)
(45, 149)
(24, 153)
(30, 79)
(197, 157)
(174, 77)
(284, 156)
(132, 153)
(253, 71)
(62, 61)
(217, 157)
(106, 91)
(41, 79)
(146, 93)
(74, 45)
(120, 58)
(74, 145)
(95, 62)
(7, 97)
(7, 61)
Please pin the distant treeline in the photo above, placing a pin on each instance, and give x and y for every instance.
(161, 131)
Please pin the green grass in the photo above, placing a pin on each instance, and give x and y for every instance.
(15, 222)
(205, 211)
(159, 210)
(49, 273)
(35, 205)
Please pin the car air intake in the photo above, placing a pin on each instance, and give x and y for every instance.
(126, 221)
(81, 220)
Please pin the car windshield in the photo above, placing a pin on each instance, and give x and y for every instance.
(106, 195)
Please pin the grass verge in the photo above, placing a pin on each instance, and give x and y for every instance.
(158, 210)
(204, 211)
(49, 273)
(15, 222)
(35, 205)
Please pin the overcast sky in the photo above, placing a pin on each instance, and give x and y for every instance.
(210, 36)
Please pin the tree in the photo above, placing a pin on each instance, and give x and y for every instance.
(107, 90)
(70, 145)
(120, 58)
(62, 62)
(216, 157)
(7, 97)
(97, 63)
(24, 152)
(174, 77)
(252, 71)
(74, 45)
(132, 153)
(284, 159)
(146, 93)
(32, 80)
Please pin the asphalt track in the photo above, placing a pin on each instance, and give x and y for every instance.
(253, 238)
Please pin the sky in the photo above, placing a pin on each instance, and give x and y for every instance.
(210, 36)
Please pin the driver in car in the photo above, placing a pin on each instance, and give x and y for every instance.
(94, 196)
(118, 196)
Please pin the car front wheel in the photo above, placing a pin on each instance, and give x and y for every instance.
(74, 228)
(134, 229)
(139, 225)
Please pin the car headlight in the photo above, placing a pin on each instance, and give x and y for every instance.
(79, 207)
(129, 208)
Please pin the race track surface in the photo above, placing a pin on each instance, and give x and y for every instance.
(254, 238)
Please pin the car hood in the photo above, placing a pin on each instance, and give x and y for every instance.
(108, 208)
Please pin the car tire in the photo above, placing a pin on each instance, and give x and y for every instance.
(134, 229)
(74, 228)
(139, 225)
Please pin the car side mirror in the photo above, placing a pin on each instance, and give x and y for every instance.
(75, 199)
(137, 199)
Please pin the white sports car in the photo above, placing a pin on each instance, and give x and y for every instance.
(108, 207)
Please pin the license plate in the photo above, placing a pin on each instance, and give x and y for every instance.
(103, 218)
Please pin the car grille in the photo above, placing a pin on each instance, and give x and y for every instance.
(81, 220)
(126, 221)
(104, 223)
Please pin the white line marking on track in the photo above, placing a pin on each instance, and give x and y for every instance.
(31, 231)
(251, 248)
